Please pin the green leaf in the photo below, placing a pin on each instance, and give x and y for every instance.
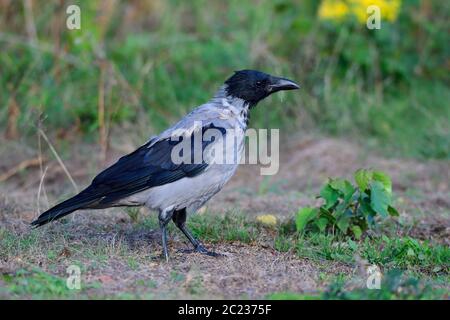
(363, 178)
(365, 208)
(357, 232)
(344, 186)
(340, 210)
(380, 199)
(343, 224)
(322, 224)
(330, 195)
(304, 216)
(392, 211)
(325, 213)
(352, 244)
(349, 192)
(384, 179)
(337, 184)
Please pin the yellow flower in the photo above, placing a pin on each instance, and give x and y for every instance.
(267, 219)
(339, 9)
(333, 10)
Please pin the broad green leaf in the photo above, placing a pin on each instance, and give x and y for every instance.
(357, 232)
(340, 210)
(384, 179)
(349, 192)
(344, 186)
(322, 224)
(363, 178)
(393, 212)
(303, 217)
(330, 195)
(343, 224)
(337, 184)
(365, 208)
(326, 214)
(380, 199)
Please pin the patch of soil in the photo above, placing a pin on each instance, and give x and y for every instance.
(244, 272)
(421, 188)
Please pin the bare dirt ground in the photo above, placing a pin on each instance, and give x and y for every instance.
(122, 259)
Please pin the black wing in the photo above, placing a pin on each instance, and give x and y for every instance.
(146, 167)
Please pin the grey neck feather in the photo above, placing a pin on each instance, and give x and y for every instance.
(240, 106)
(238, 103)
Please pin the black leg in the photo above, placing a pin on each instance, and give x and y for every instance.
(179, 218)
(164, 218)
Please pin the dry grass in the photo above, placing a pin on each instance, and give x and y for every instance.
(121, 259)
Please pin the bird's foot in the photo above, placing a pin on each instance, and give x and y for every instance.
(201, 249)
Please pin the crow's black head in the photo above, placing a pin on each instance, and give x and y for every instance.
(253, 86)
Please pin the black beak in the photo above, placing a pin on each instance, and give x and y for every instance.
(278, 84)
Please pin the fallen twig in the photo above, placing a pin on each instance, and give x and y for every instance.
(23, 165)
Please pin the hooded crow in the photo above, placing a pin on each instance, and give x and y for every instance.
(154, 176)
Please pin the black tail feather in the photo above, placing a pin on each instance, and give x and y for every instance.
(81, 201)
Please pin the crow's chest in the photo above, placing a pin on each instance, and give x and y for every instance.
(237, 114)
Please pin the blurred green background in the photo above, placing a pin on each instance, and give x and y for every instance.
(141, 65)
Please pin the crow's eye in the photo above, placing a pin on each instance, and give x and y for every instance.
(258, 83)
